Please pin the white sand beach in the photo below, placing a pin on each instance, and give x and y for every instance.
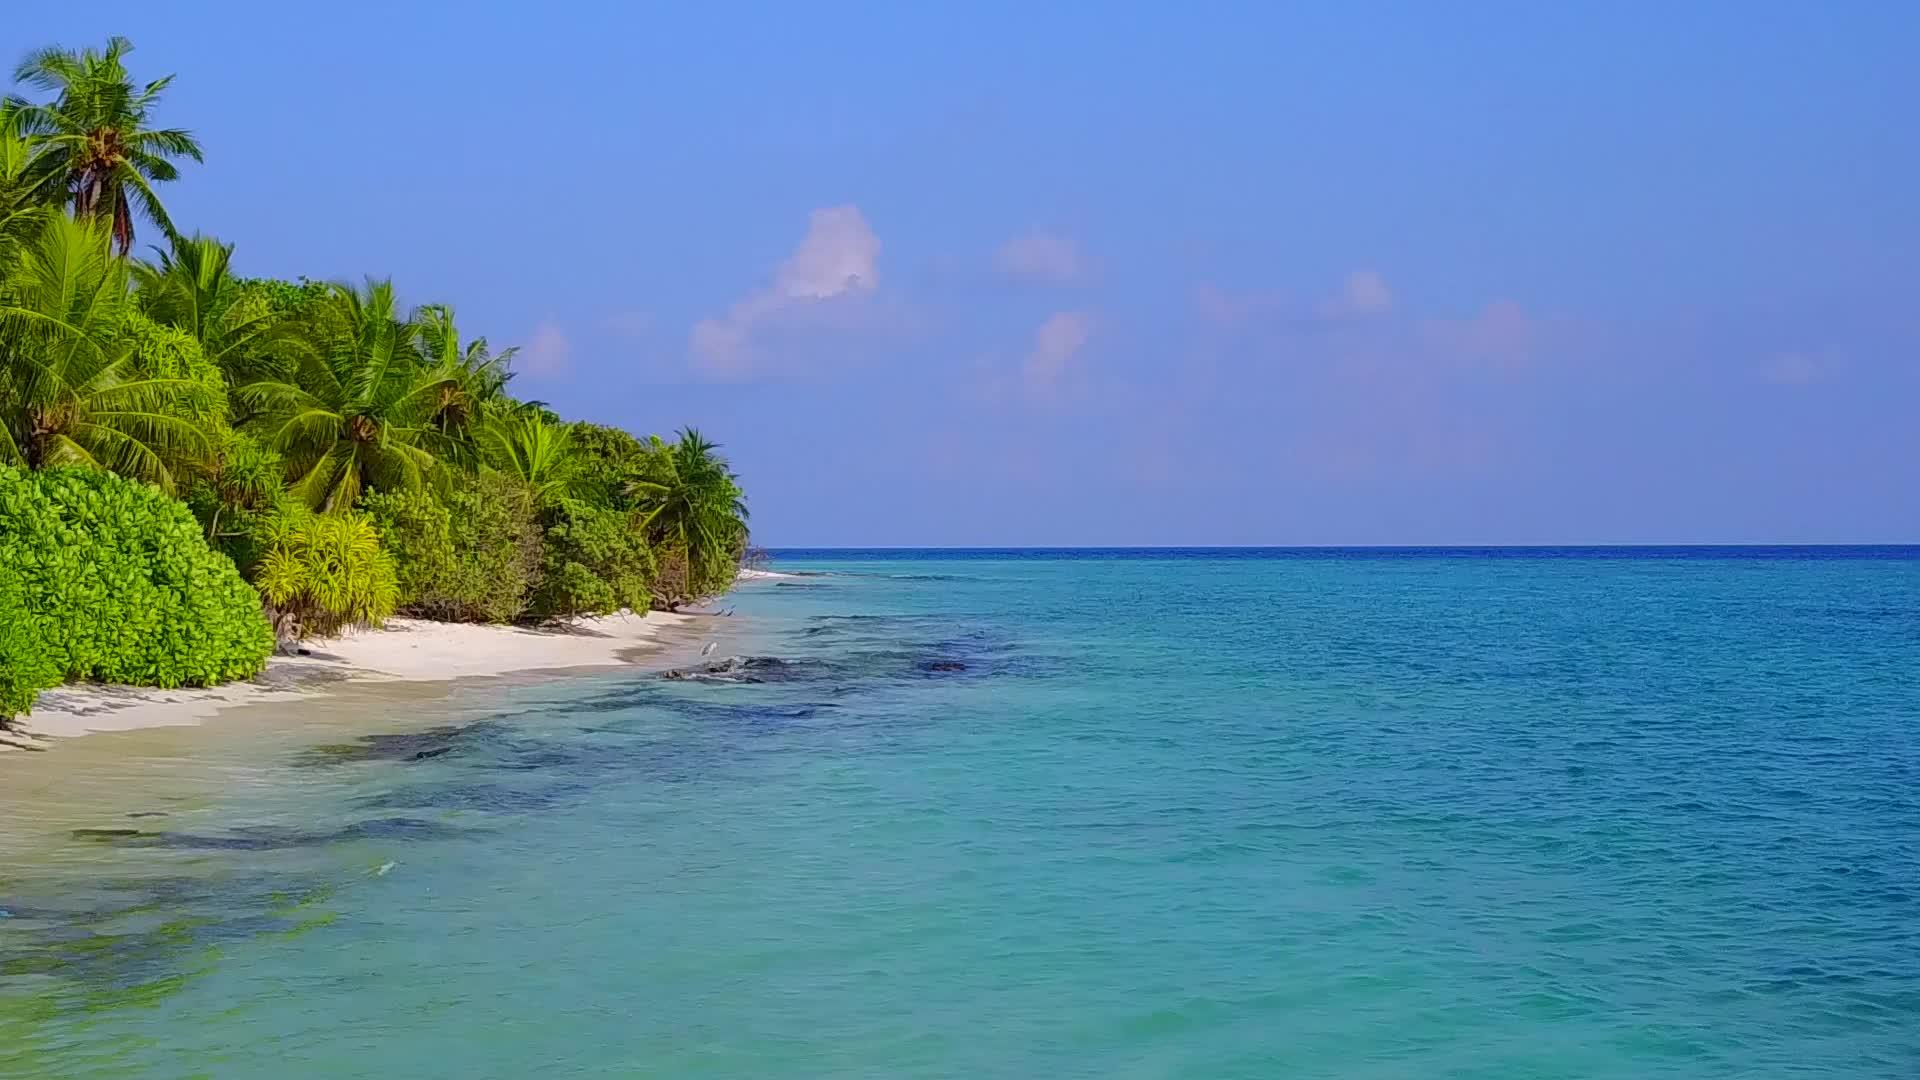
(750, 574)
(413, 650)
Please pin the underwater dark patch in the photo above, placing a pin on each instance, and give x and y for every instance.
(485, 797)
(107, 834)
(710, 711)
(274, 837)
(851, 623)
(861, 650)
(535, 757)
(743, 669)
(402, 747)
(612, 701)
(111, 965)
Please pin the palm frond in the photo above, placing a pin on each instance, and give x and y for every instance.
(171, 142)
(97, 142)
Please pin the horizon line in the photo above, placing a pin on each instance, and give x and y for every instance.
(1636, 545)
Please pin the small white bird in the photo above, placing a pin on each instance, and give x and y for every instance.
(383, 868)
(708, 651)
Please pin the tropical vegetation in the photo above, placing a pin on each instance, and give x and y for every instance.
(107, 578)
(195, 464)
(471, 556)
(98, 147)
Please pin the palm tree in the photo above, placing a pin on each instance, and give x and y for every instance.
(694, 505)
(23, 196)
(190, 287)
(358, 411)
(71, 389)
(534, 450)
(477, 378)
(96, 142)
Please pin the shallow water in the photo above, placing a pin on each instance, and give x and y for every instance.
(1412, 814)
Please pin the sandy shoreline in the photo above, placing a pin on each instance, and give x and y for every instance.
(406, 650)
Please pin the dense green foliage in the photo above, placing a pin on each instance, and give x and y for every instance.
(26, 660)
(168, 353)
(118, 585)
(595, 563)
(611, 466)
(72, 391)
(535, 451)
(472, 557)
(239, 484)
(474, 389)
(418, 529)
(348, 455)
(357, 412)
(322, 573)
(696, 514)
(23, 197)
(192, 289)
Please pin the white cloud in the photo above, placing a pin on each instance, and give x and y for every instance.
(548, 352)
(1363, 293)
(1042, 257)
(1224, 308)
(1055, 345)
(1503, 335)
(838, 258)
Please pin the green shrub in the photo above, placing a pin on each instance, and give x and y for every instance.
(473, 558)
(287, 297)
(595, 563)
(242, 483)
(679, 580)
(166, 352)
(610, 462)
(671, 586)
(115, 583)
(26, 664)
(322, 573)
(417, 531)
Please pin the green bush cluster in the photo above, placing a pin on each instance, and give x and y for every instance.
(167, 352)
(418, 530)
(321, 573)
(26, 664)
(595, 563)
(473, 557)
(111, 580)
(610, 465)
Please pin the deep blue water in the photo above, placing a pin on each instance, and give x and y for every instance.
(1213, 813)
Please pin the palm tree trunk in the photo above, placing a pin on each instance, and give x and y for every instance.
(122, 222)
(86, 195)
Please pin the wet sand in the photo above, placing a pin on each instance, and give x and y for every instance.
(406, 650)
(146, 760)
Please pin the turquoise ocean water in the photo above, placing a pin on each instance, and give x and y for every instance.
(1205, 814)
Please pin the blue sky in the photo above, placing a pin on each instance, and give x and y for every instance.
(1130, 274)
